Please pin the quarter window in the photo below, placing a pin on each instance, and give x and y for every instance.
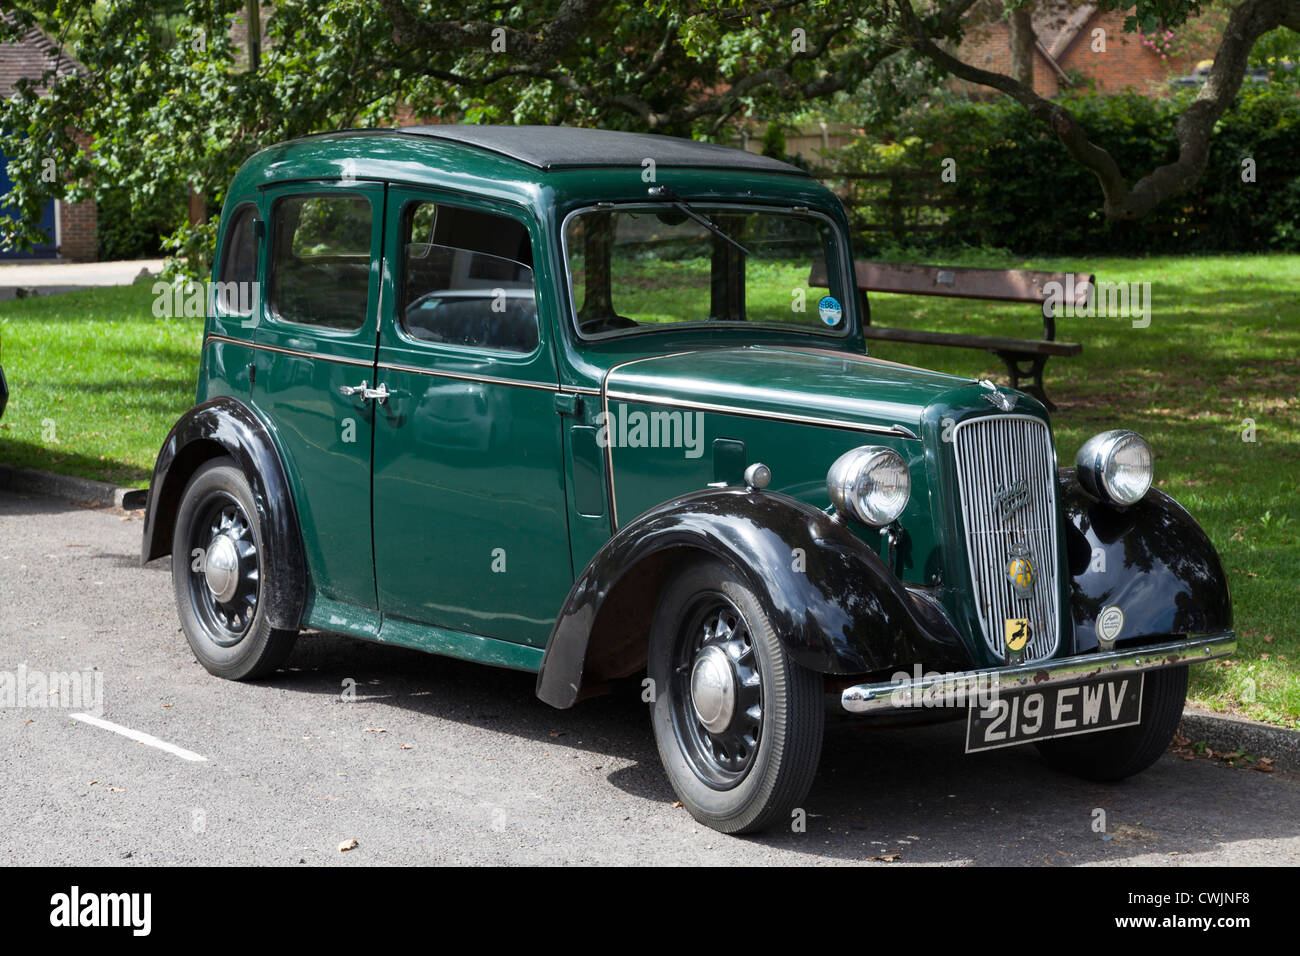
(237, 291)
(320, 266)
(467, 279)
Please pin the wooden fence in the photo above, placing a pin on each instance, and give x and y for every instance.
(895, 204)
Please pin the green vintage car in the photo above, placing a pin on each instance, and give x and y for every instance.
(598, 406)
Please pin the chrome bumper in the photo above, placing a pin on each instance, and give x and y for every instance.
(972, 685)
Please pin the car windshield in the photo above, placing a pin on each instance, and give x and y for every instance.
(646, 268)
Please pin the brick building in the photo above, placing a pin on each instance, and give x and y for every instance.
(70, 227)
(1077, 38)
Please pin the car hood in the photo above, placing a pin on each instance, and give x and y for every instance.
(787, 382)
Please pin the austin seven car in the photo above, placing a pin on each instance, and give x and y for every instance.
(598, 406)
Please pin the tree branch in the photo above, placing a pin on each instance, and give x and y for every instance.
(571, 19)
(1247, 22)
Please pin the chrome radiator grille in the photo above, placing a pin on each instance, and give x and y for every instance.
(1005, 469)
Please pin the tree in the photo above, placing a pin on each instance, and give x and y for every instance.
(168, 100)
(1021, 25)
(1248, 21)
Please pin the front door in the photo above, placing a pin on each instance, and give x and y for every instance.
(316, 339)
(469, 506)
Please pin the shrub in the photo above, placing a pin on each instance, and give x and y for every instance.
(136, 233)
(1016, 187)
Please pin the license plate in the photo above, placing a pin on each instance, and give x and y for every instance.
(1025, 714)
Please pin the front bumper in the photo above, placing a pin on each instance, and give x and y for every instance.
(933, 689)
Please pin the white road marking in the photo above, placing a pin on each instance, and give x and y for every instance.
(143, 738)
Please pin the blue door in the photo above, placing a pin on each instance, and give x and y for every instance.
(45, 250)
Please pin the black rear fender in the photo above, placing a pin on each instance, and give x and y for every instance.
(221, 427)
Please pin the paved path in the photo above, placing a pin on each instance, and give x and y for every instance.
(492, 775)
(48, 278)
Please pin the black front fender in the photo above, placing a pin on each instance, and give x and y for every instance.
(1151, 560)
(226, 426)
(833, 602)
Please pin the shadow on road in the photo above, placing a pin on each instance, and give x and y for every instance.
(879, 791)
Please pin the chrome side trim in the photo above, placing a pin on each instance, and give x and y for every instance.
(896, 430)
(297, 353)
(913, 692)
(485, 379)
(392, 367)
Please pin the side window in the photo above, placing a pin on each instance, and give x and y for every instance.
(467, 279)
(237, 292)
(320, 260)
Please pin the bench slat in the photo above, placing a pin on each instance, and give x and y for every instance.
(962, 282)
(962, 340)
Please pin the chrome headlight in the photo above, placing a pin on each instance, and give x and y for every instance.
(1115, 466)
(870, 483)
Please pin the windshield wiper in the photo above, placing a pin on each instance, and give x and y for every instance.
(666, 193)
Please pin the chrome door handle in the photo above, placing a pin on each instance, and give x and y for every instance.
(379, 394)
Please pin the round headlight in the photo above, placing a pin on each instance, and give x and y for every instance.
(1115, 466)
(870, 483)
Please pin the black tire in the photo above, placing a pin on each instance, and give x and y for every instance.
(231, 638)
(752, 774)
(1115, 754)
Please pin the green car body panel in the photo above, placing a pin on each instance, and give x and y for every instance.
(456, 515)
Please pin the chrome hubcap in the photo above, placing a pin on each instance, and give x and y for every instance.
(713, 689)
(225, 584)
(221, 568)
(717, 692)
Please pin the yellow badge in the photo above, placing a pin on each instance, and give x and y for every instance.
(1018, 633)
(1020, 572)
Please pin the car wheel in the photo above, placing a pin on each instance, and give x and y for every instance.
(218, 571)
(738, 724)
(1116, 754)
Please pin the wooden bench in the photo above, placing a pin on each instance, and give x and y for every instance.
(1024, 358)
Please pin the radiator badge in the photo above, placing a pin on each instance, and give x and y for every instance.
(1017, 634)
(1007, 501)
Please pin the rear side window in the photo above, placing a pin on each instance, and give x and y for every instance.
(236, 291)
(467, 279)
(320, 264)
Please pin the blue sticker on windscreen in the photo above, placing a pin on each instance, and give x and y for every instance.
(829, 309)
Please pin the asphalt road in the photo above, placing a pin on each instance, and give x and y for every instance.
(439, 761)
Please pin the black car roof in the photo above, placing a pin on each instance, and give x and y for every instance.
(572, 147)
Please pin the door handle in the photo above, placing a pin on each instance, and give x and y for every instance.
(379, 393)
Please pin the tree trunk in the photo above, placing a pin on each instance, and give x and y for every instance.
(1022, 46)
(253, 17)
(1194, 128)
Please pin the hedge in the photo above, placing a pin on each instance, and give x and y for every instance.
(1017, 188)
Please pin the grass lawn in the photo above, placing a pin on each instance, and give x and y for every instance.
(1223, 346)
(96, 382)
